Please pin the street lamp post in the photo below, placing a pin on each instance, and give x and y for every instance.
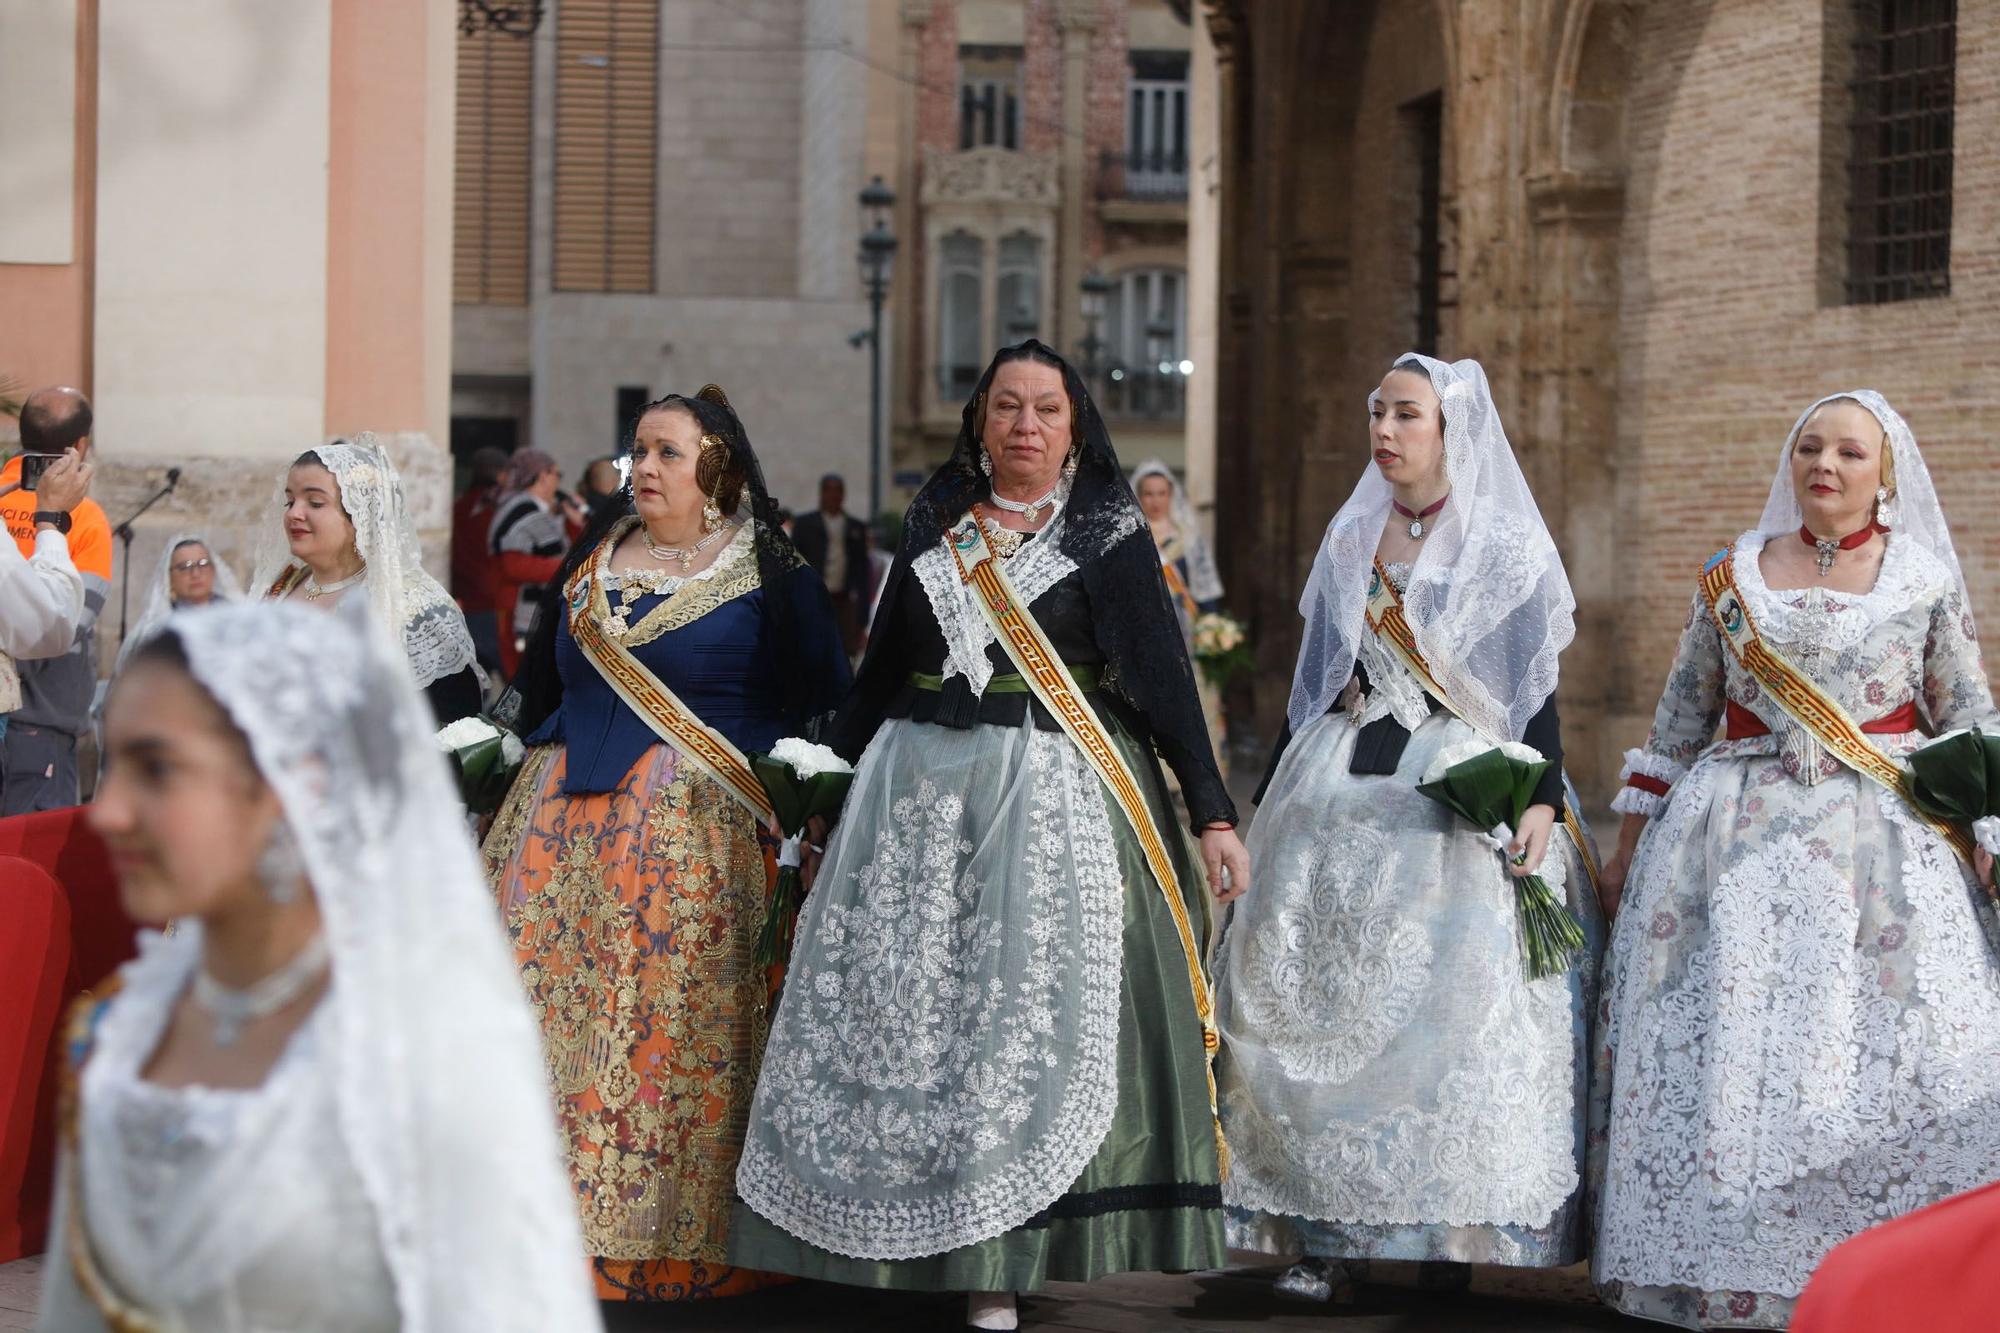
(878, 256)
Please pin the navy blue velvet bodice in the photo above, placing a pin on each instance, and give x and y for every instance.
(720, 666)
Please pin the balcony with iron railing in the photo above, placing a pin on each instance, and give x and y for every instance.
(1144, 176)
(1143, 393)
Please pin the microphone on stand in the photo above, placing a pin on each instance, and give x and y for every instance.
(123, 532)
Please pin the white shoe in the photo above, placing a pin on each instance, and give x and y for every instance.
(991, 1309)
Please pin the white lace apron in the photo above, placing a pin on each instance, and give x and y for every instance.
(1387, 1063)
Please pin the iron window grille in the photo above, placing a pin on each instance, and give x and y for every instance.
(1899, 184)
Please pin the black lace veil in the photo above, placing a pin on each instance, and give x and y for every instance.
(1105, 533)
(738, 486)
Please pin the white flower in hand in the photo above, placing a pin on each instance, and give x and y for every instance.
(807, 759)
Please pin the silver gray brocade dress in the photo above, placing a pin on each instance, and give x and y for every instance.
(1801, 1025)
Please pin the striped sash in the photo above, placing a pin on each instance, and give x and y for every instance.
(1386, 618)
(1803, 701)
(1051, 682)
(648, 696)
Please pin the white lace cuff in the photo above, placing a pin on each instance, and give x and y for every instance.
(1986, 832)
(1656, 766)
(1633, 801)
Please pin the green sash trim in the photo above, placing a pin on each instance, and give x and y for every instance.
(1087, 678)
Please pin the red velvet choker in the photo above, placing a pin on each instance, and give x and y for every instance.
(1828, 549)
(1417, 519)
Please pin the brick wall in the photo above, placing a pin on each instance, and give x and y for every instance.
(1041, 77)
(1651, 333)
(1106, 79)
(937, 66)
(1723, 339)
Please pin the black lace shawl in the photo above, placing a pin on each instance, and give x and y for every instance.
(536, 690)
(1105, 533)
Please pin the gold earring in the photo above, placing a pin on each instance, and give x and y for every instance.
(711, 515)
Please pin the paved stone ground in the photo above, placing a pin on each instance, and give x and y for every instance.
(1236, 1300)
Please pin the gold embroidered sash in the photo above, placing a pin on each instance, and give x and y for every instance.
(1177, 586)
(1803, 701)
(648, 696)
(288, 578)
(1051, 682)
(1385, 616)
(79, 1032)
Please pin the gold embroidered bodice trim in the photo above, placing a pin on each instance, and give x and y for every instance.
(736, 575)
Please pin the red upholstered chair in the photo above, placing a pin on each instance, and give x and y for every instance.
(62, 930)
(34, 965)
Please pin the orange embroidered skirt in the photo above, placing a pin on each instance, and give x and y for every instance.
(633, 914)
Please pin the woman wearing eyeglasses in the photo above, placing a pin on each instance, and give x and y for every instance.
(189, 574)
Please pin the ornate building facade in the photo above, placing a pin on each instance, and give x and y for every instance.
(1041, 142)
(1664, 228)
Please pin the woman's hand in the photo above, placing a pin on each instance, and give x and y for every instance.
(1611, 875)
(1611, 882)
(1228, 864)
(812, 850)
(1531, 841)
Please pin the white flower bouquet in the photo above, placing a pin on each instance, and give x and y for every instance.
(1221, 647)
(1492, 786)
(802, 780)
(486, 757)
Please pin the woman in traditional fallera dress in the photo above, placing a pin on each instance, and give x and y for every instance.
(631, 875)
(345, 531)
(189, 574)
(1801, 1029)
(1393, 1084)
(1192, 578)
(988, 1069)
(319, 1104)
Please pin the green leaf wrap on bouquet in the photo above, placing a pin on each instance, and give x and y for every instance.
(1956, 777)
(795, 801)
(1492, 789)
(485, 758)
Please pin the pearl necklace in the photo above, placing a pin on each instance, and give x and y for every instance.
(685, 555)
(234, 1009)
(1032, 509)
(316, 590)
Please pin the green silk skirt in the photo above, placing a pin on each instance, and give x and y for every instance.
(1151, 1198)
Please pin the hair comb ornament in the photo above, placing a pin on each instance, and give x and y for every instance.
(712, 393)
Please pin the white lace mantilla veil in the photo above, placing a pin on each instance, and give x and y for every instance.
(1915, 507)
(443, 1101)
(1488, 599)
(1204, 579)
(159, 592)
(405, 598)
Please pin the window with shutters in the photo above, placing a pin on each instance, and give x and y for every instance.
(1145, 338)
(491, 173)
(1156, 126)
(607, 94)
(989, 97)
(961, 284)
(1017, 312)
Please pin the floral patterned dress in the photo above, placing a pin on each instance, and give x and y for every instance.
(633, 885)
(1801, 1026)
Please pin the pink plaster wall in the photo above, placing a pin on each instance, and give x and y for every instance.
(376, 349)
(45, 330)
